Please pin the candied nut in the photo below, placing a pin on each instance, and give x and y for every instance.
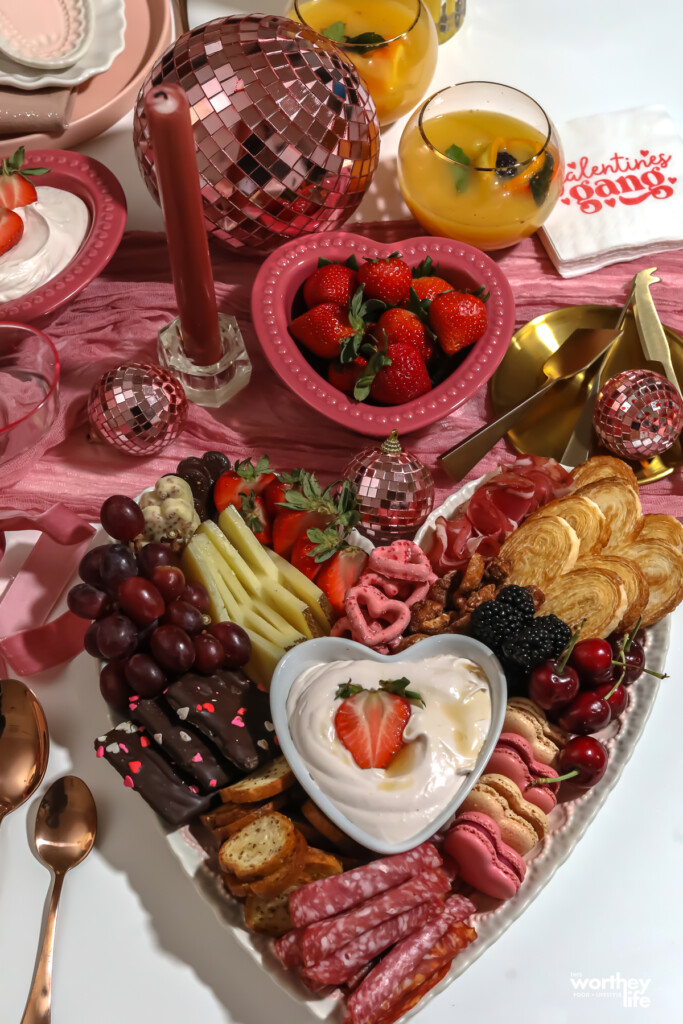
(497, 571)
(537, 595)
(408, 641)
(473, 574)
(427, 617)
(441, 590)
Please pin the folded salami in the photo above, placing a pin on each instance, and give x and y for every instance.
(383, 985)
(323, 938)
(330, 896)
(288, 949)
(346, 963)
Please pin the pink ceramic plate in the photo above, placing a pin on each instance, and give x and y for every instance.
(283, 273)
(103, 195)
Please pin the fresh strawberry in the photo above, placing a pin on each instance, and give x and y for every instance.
(276, 490)
(402, 325)
(11, 229)
(344, 376)
(323, 329)
(255, 514)
(457, 319)
(333, 282)
(370, 724)
(15, 187)
(406, 378)
(302, 557)
(429, 287)
(387, 279)
(341, 573)
(289, 525)
(231, 487)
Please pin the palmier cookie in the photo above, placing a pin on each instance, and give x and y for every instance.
(526, 718)
(522, 825)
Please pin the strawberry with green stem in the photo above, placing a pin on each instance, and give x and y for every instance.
(387, 279)
(311, 508)
(16, 187)
(371, 723)
(244, 478)
(255, 514)
(332, 282)
(341, 572)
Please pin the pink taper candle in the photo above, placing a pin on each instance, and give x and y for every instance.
(170, 129)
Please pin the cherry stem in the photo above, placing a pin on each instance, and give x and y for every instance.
(569, 648)
(659, 675)
(556, 778)
(633, 634)
(616, 685)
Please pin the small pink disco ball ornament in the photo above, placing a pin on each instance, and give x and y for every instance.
(286, 132)
(638, 414)
(394, 490)
(139, 408)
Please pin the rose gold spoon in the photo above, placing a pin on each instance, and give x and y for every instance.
(65, 832)
(24, 745)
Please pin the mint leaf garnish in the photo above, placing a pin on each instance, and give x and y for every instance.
(335, 31)
(460, 174)
(539, 183)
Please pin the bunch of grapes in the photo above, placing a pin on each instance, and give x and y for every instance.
(148, 623)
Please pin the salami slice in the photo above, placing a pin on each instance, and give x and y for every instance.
(386, 982)
(324, 938)
(288, 949)
(346, 962)
(330, 896)
(355, 979)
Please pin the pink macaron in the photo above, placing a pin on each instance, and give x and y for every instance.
(483, 859)
(514, 758)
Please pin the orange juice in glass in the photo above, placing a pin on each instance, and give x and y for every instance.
(482, 163)
(393, 44)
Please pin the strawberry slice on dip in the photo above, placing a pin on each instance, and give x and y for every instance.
(370, 723)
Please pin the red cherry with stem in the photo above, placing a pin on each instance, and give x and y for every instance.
(583, 761)
(587, 713)
(554, 684)
(590, 657)
(616, 696)
(629, 657)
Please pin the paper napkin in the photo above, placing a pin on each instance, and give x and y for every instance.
(623, 190)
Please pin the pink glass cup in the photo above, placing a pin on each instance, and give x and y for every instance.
(29, 389)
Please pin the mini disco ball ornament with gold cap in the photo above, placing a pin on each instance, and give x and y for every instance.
(138, 408)
(394, 490)
(286, 132)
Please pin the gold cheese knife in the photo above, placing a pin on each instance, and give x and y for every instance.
(650, 331)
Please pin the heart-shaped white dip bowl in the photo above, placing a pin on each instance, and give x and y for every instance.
(448, 741)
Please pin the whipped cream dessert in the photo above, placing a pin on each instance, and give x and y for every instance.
(54, 229)
(441, 741)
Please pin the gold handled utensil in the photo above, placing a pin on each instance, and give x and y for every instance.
(650, 331)
(65, 832)
(575, 355)
(24, 745)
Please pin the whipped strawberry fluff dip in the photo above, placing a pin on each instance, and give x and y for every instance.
(54, 228)
(441, 740)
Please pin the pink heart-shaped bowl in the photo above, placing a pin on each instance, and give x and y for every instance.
(282, 275)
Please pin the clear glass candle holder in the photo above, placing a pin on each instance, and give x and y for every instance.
(29, 390)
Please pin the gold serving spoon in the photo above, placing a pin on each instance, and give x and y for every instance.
(65, 832)
(24, 745)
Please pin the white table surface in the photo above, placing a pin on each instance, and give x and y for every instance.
(135, 942)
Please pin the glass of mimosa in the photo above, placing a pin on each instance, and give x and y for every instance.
(482, 163)
(393, 44)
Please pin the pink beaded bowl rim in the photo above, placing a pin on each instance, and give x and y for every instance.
(284, 271)
(101, 192)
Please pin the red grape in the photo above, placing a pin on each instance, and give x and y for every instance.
(196, 594)
(90, 643)
(118, 563)
(89, 567)
(122, 517)
(172, 648)
(235, 642)
(208, 654)
(144, 676)
(114, 688)
(155, 554)
(141, 600)
(87, 601)
(189, 618)
(169, 581)
(117, 637)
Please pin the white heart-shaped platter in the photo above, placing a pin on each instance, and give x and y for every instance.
(330, 649)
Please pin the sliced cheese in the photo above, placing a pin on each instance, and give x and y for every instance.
(251, 549)
(303, 588)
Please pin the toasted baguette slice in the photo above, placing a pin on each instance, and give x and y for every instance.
(280, 879)
(240, 890)
(633, 578)
(662, 567)
(260, 847)
(320, 864)
(269, 915)
(273, 778)
(600, 467)
(586, 519)
(540, 550)
(660, 527)
(620, 504)
(226, 813)
(595, 595)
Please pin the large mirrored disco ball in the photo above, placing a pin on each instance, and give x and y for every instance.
(286, 132)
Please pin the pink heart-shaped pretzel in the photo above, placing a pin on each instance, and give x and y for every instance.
(374, 618)
(402, 560)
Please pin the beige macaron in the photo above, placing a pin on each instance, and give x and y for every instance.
(521, 824)
(527, 719)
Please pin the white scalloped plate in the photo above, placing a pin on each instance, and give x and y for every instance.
(567, 824)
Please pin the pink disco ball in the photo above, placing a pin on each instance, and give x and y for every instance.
(638, 414)
(286, 132)
(139, 408)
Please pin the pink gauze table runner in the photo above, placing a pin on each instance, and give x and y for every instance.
(116, 319)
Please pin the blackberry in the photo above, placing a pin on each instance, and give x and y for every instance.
(519, 598)
(506, 165)
(559, 631)
(493, 623)
(530, 647)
